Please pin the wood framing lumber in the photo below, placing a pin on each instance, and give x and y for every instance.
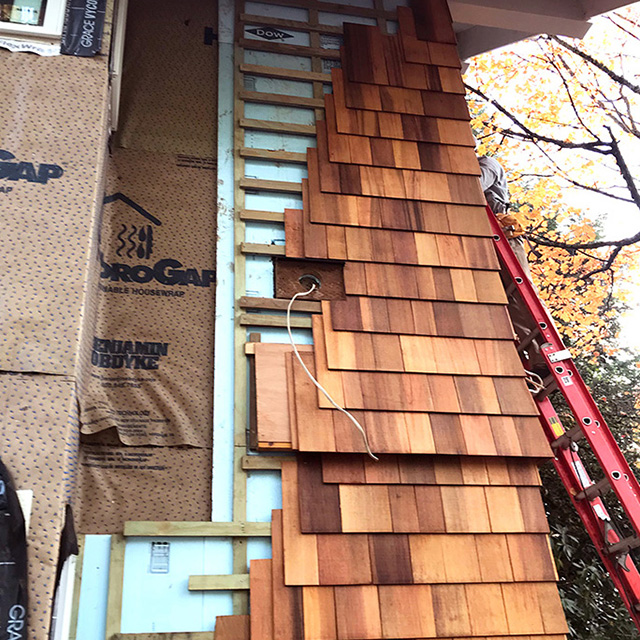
(198, 529)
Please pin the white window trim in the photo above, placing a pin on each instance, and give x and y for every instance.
(52, 27)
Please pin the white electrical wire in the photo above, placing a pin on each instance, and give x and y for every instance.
(535, 381)
(357, 425)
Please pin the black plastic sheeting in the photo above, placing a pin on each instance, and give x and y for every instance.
(68, 542)
(13, 562)
(83, 27)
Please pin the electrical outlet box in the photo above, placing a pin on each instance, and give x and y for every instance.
(290, 278)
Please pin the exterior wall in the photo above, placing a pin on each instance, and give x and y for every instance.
(163, 603)
(53, 131)
(276, 109)
(262, 180)
(54, 117)
(255, 186)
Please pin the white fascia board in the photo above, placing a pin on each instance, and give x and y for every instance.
(507, 16)
(476, 40)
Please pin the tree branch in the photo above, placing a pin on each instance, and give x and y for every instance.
(531, 136)
(575, 246)
(599, 65)
(565, 84)
(627, 31)
(606, 265)
(616, 108)
(607, 262)
(624, 169)
(509, 133)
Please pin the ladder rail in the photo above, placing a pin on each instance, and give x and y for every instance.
(623, 481)
(593, 514)
(617, 472)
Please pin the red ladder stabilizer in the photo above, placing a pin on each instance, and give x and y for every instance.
(617, 476)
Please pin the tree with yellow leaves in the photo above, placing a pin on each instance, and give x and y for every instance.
(564, 124)
(567, 123)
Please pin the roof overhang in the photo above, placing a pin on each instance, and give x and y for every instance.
(482, 25)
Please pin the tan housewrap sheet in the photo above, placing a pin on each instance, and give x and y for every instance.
(39, 440)
(117, 484)
(53, 131)
(152, 348)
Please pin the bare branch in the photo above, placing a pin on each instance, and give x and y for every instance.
(561, 172)
(575, 246)
(552, 62)
(527, 134)
(537, 175)
(606, 265)
(617, 24)
(624, 119)
(599, 65)
(624, 169)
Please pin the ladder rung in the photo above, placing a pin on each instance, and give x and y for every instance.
(623, 546)
(595, 490)
(549, 386)
(567, 438)
(528, 340)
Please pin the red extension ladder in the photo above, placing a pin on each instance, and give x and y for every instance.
(615, 474)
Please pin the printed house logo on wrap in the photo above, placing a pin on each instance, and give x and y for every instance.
(14, 170)
(133, 242)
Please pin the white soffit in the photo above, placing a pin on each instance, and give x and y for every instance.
(482, 25)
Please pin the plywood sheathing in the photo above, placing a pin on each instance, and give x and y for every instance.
(445, 536)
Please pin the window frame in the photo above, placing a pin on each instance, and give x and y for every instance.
(50, 28)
